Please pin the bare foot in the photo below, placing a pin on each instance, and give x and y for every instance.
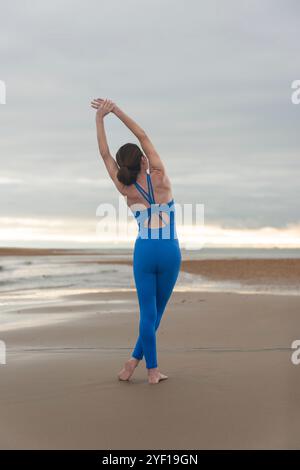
(154, 376)
(128, 369)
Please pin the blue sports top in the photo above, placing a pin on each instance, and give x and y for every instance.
(143, 217)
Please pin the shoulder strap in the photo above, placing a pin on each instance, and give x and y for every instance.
(143, 192)
(150, 188)
(149, 196)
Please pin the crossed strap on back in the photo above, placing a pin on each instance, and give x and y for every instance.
(149, 196)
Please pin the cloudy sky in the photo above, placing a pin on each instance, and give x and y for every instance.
(210, 82)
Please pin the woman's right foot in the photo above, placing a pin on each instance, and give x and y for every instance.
(154, 376)
(128, 369)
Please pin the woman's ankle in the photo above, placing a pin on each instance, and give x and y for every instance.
(152, 370)
(134, 360)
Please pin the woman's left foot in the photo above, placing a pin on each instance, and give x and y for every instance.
(154, 376)
(128, 369)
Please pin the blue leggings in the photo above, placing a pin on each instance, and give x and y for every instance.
(156, 264)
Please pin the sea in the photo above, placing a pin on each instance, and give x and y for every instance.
(40, 280)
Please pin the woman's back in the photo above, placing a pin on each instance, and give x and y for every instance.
(161, 187)
(156, 219)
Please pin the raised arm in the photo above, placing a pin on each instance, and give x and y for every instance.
(146, 144)
(110, 163)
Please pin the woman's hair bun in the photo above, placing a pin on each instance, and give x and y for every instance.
(127, 175)
(129, 158)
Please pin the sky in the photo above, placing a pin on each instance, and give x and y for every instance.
(209, 81)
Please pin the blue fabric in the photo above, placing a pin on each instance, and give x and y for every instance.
(156, 265)
(167, 215)
(149, 196)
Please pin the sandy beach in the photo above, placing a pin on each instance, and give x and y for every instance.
(231, 383)
(170, 121)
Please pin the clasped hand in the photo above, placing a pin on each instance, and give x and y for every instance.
(103, 106)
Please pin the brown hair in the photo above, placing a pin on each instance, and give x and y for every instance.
(129, 160)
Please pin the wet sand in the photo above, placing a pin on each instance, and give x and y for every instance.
(280, 272)
(231, 383)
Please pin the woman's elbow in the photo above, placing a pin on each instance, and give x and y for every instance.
(142, 134)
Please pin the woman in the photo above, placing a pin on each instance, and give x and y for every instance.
(156, 256)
